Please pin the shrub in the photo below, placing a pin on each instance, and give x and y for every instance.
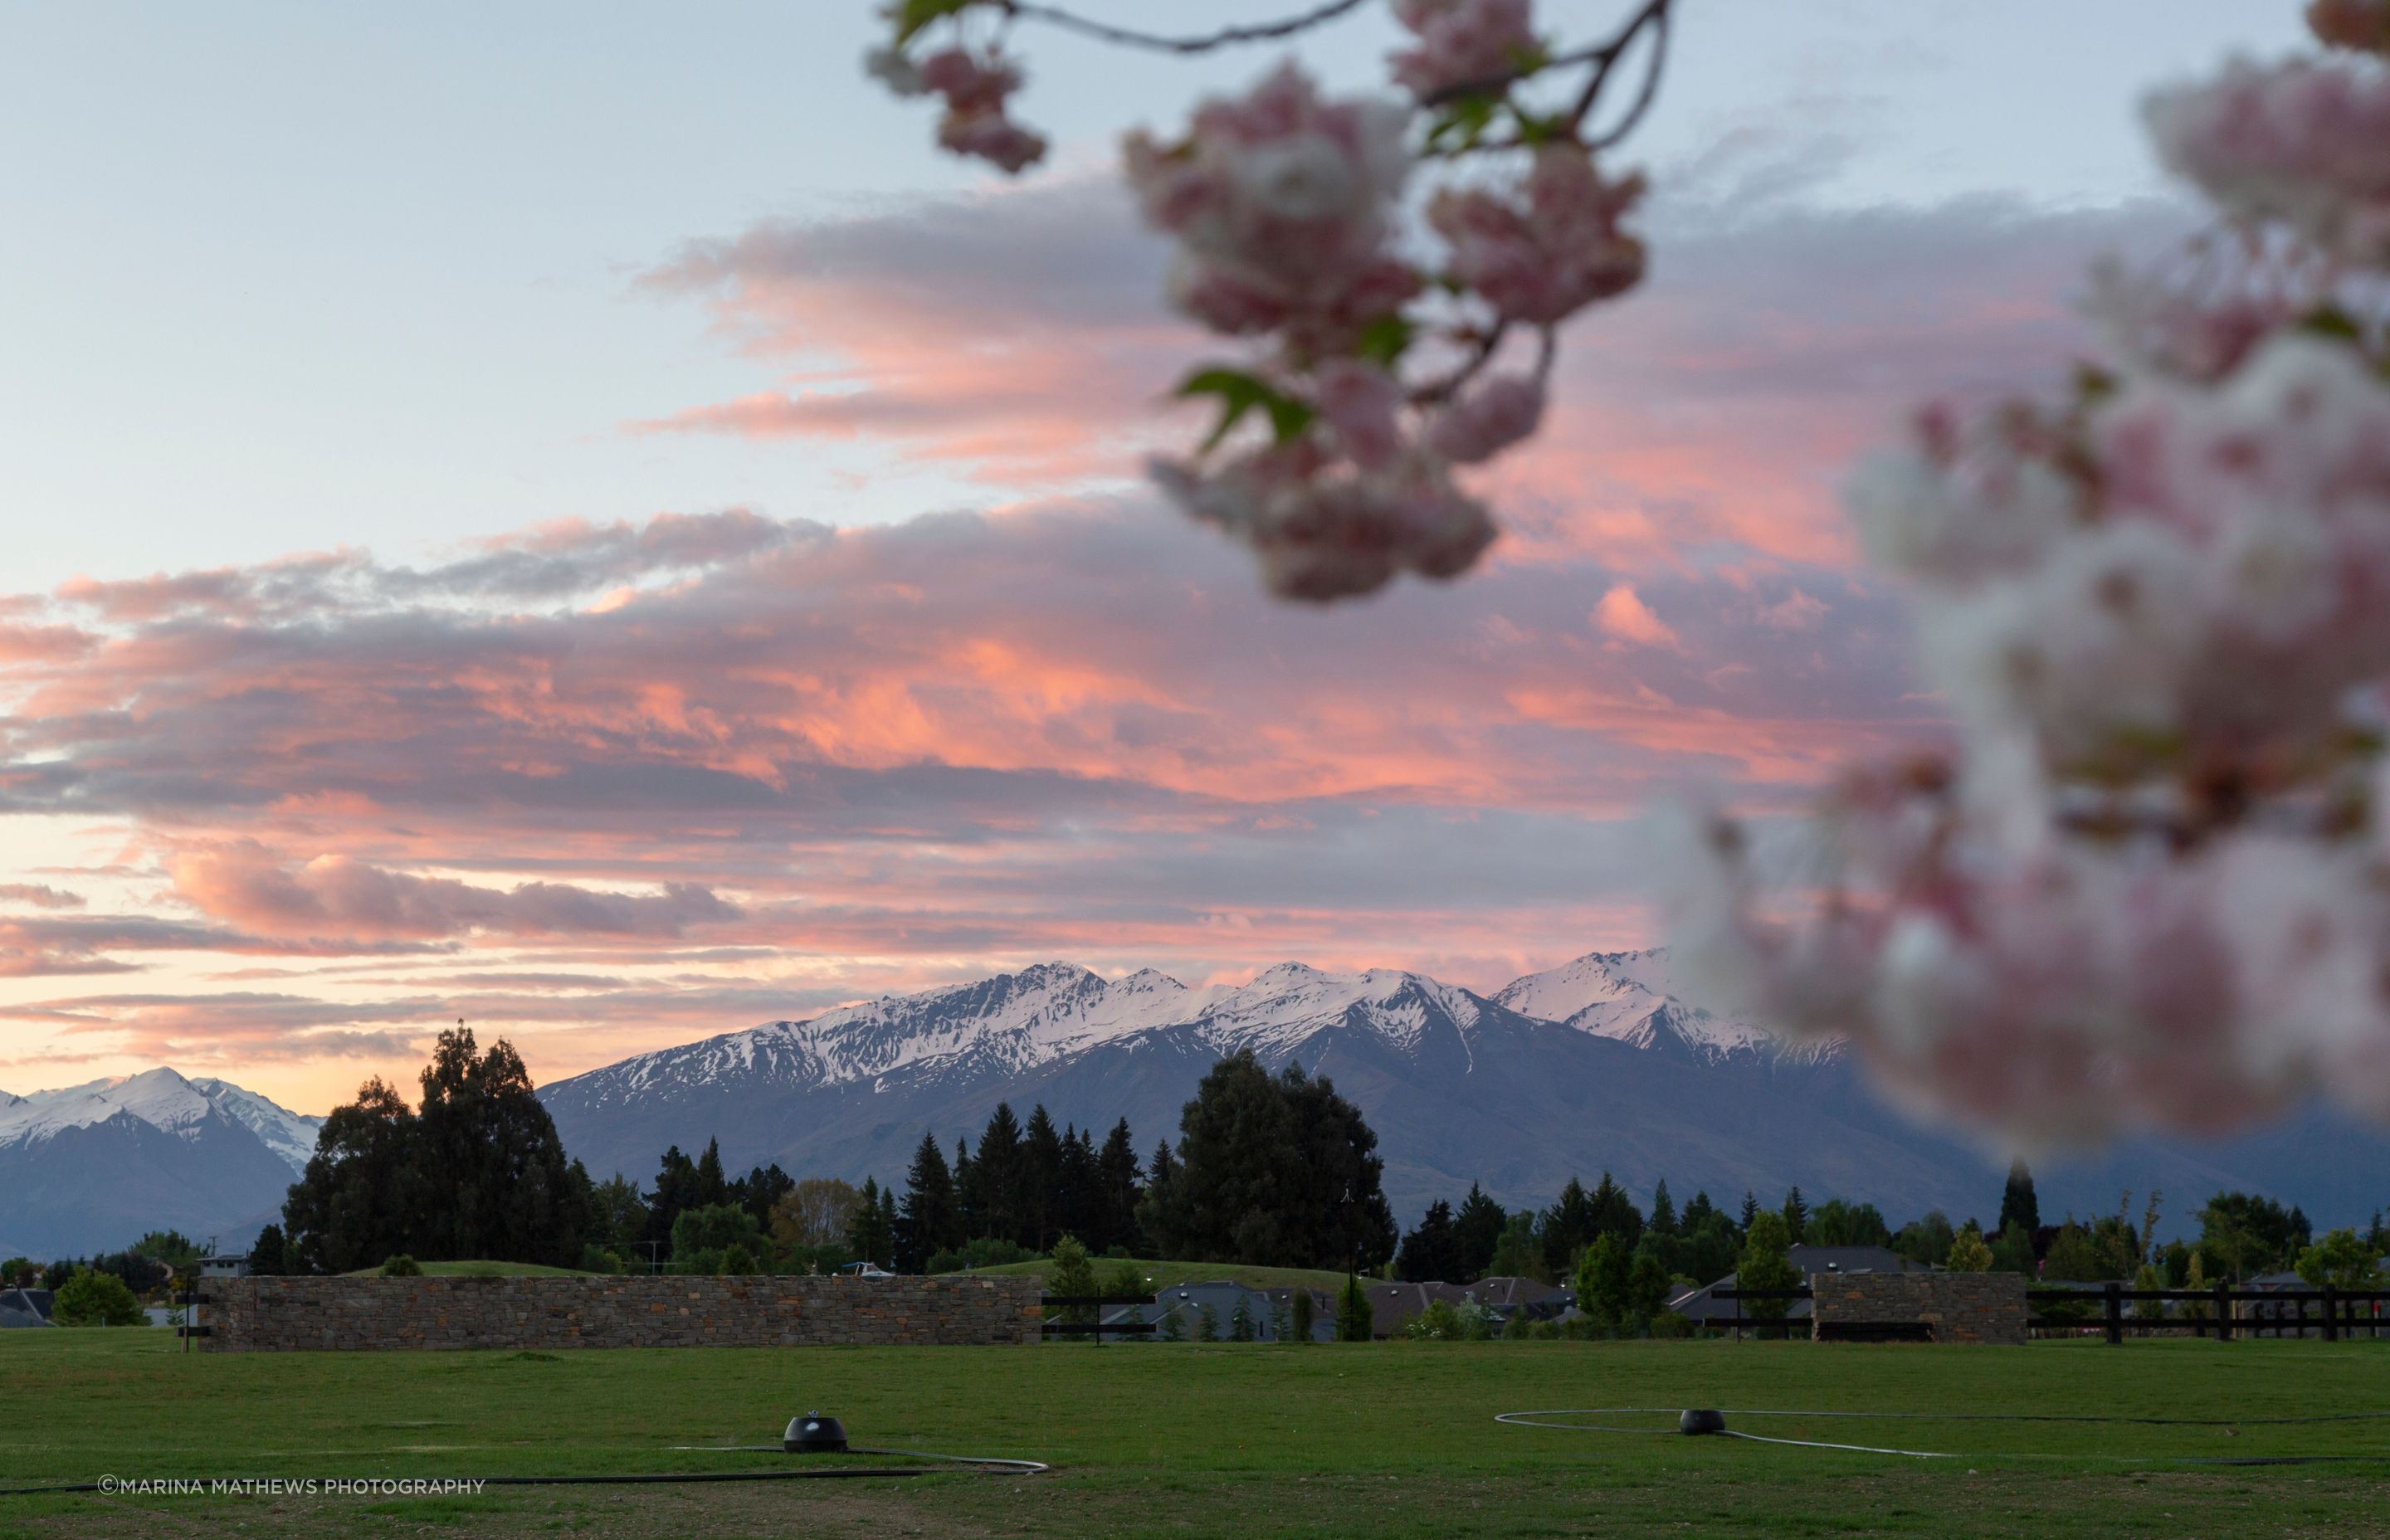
(95, 1299)
(1354, 1320)
(1073, 1275)
(1668, 1325)
(982, 1253)
(1303, 1315)
(596, 1258)
(1207, 1324)
(2148, 1310)
(1969, 1251)
(402, 1266)
(1438, 1323)
(1240, 1324)
(738, 1261)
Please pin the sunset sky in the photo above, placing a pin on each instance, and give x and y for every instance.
(579, 518)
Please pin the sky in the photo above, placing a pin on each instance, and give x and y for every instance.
(579, 518)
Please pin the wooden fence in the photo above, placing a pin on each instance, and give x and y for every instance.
(1096, 1329)
(2341, 1313)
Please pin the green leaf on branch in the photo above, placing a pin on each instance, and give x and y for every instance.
(914, 15)
(1384, 339)
(2330, 320)
(1240, 394)
(1462, 123)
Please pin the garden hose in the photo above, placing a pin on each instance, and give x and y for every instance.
(1701, 1420)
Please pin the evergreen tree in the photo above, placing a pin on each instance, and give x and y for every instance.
(618, 1216)
(1302, 1314)
(676, 1190)
(1117, 1176)
(1431, 1252)
(1207, 1324)
(871, 1234)
(1696, 1211)
(1173, 1328)
(1078, 1198)
(1615, 1213)
(357, 1201)
(486, 1146)
(267, 1257)
(996, 1164)
(1664, 1211)
(1281, 1320)
(761, 1189)
(1476, 1230)
(1797, 1215)
(1041, 1180)
(1240, 1324)
(1273, 1170)
(1355, 1321)
(1928, 1239)
(710, 1186)
(1750, 1211)
(928, 1222)
(2013, 1252)
(1569, 1227)
(2019, 1209)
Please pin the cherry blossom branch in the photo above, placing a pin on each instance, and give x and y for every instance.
(1226, 37)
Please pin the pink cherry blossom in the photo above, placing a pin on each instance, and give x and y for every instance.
(1462, 42)
(1542, 257)
(2306, 142)
(1492, 416)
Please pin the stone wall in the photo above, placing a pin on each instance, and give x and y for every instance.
(265, 1315)
(1960, 1307)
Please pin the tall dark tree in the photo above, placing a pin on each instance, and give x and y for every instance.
(269, 1253)
(1797, 1215)
(1117, 1176)
(1569, 1227)
(1750, 1211)
(676, 1190)
(929, 1221)
(1431, 1252)
(1041, 1179)
(1271, 1170)
(711, 1187)
(1696, 1211)
(1664, 1211)
(995, 1209)
(2020, 1207)
(759, 1190)
(356, 1204)
(496, 1183)
(1080, 1213)
(871, 1231)
(1615, 1213)
(1476, 1230)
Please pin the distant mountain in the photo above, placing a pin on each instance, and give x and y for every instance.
(91, 1167)
(1595, 1065)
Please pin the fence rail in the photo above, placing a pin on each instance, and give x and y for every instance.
(2223, 1310)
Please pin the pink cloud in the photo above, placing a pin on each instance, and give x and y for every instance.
(1626, 617)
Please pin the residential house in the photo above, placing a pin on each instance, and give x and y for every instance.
(24, 1308)
(1703, 1307)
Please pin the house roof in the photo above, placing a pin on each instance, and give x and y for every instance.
(1701, 1304)
(24, 1308)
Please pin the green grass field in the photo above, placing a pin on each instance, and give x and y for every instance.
(1170, 1275)
(482, 1270)
(1383, 1441)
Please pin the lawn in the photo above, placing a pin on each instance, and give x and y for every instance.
(482, 1270)
(1384, 1441)
(1170, 1275)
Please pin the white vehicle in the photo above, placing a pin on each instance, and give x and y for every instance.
(864, 1270)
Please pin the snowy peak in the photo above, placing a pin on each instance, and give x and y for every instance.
(166, 1101)
(1294, 1001)
(1630, 998)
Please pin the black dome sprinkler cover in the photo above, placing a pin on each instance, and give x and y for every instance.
(814, 1434)
(1691, 1422)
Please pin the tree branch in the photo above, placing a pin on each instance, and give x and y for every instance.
(1259, 32)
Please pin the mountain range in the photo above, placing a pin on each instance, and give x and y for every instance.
(92, 1167)
(1597, 1065)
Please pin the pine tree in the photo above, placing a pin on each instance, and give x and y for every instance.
(997, 1165)
(871, 1234)
(1797, 1215)
(929, 1222)
(1750, 1211)
(1207, 1324)
(1476, 1230)
(1569, 1227)
(1429, 1253)
(1354, 1320)
(1041, 1181)
(1664, 1211)
(1117, 1176)
(1240, 1324)
(1615, 1213)
(711, 1187)
(1601, 1274)
(2019, 1209)
(1648, 1285)
(1302, 1314)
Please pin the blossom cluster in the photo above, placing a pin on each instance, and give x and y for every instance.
(1374, 369)
(2149, 882)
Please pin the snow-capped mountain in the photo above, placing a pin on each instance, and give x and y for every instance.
(1630, 996)
(90, 1167)
(1595, 1065)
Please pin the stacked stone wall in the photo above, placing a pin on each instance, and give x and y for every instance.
(1960, 1307)
(271, 1315)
